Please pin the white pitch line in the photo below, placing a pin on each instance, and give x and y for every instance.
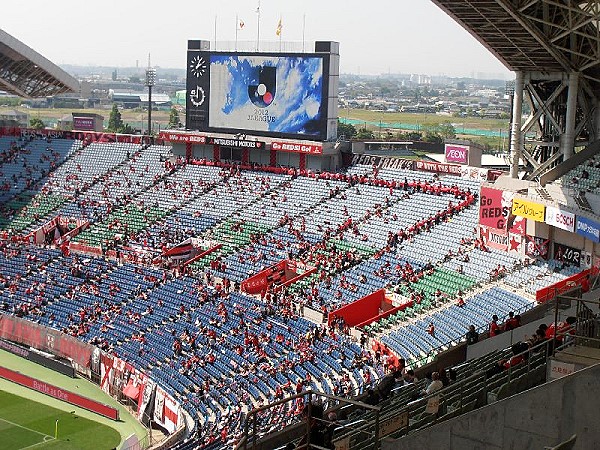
(33, 431)
(39, 443)
(21, 426)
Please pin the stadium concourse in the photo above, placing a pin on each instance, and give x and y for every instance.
(87, 228)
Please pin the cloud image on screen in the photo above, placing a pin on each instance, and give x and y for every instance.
(266, 93)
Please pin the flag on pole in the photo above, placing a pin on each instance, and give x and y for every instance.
(241, 24)
(279, 27)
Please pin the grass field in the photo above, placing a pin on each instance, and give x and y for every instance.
(27, 424)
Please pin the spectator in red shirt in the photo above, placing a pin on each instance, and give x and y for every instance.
(511, 323)
(494, 327)
(431, 329)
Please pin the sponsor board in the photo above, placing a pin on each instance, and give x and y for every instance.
(494, 207)
(237, 143)
(296, 147)
(456, 153)
(560, 219)
(59, 393)
(588, 229)
(528, 209)
(83, 123)
(559, 369)
(567, 254)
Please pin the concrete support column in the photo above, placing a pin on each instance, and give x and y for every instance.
(515, 132)
(567, 142)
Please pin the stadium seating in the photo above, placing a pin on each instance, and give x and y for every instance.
(220, 351)
(584, 177)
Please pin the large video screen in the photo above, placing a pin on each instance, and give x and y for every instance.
(267, 94)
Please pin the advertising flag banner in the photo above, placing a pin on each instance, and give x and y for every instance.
(457, 153)
(567, 254)
(515, 244)
(494, 207)
(494, 238)
(588, 229)
(560, 219)
(536, 247)
(528, 209)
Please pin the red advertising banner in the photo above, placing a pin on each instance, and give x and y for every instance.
(87, 136)
(278, 274)
(515, 244)
(47, 339)
(428, 166)
(83, 248)
(60, 394)
(297, 147)
(517, 225)
(494, 207)
(457, 153)
(182, 137)
(548, 293)
(494, 238)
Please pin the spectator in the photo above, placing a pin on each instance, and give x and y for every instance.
(435, 385)
(511, 323)
(431, 329)
(562, 329)
(372, 398)
(409, 377)
(519, 350)
(495, 329)
(472, 335)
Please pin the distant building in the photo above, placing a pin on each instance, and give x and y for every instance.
(12, 117)
(137, 100)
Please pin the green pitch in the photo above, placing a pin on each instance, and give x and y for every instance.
(28, 424)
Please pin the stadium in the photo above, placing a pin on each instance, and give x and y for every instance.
(252, 281)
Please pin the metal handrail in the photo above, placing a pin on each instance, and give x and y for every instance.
(251, 417)
(476, 377)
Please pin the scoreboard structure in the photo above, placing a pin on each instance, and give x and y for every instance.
(275, 95)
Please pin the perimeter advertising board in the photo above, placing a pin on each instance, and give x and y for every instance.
(457, 153)
(560, 219)
(265, 94)
(494, 207)
(588, 229)
(567, 254)
(83, 123)
(528, 209)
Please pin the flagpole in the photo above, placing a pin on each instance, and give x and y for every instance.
(303, 30)
(215, 31)
(280, 32)
(236, 31)
(258, 26)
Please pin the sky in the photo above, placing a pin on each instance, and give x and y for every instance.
(384, 36)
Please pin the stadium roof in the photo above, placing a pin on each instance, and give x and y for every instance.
(535, 35)
(26, 73)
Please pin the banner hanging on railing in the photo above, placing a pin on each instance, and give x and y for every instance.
(47, 339)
